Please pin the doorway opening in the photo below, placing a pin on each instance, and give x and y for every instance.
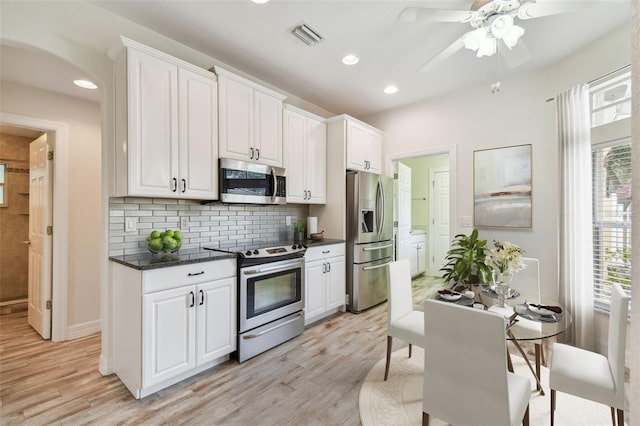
(425, 198)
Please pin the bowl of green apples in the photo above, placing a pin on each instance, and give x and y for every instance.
(164, 242)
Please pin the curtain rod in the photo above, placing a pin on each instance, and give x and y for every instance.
(599, 78)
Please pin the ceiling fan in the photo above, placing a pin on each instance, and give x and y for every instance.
(494, 28)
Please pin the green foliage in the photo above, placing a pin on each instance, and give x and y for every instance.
(298, 226)
(466, 260)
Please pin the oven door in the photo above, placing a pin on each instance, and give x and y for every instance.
(270, 291)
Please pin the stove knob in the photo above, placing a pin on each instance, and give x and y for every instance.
(256, 251)
(248, 253)
(294, 247)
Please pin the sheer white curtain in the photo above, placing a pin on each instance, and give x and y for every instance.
(576, 235)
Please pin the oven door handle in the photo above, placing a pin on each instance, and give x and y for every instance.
(367, 268)
(273, 268)
(269, 330)
(377, 248)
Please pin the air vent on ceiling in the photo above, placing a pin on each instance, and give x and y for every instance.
(307, 34)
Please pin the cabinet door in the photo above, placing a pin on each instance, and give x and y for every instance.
(373, 152)
(420, 263)
(413, 257)
(216, 322)
(356, 143)
(235, 102)
(168, 336)
(198, 113)
(153, 125)
(268, 129)
(335, 283)
(294, 155)
(314, 289)
(316, 157)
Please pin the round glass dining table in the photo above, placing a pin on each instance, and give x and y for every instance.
(529, 320)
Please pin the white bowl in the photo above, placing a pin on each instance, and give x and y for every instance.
(450, 297)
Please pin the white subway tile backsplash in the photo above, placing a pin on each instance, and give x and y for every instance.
(212, 224)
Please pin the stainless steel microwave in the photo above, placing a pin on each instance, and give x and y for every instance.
(251, 183)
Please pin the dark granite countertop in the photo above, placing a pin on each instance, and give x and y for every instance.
(146, 261)
(323, 242)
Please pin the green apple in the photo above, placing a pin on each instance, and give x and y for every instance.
(155, 234)
(155, 244)
(177, 235)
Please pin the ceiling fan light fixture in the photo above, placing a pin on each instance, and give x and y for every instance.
(501, 26)
(474, 39)
(512, 37)
(488, 47)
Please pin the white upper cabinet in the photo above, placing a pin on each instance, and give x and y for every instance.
(166, 126)
(250, 120)
(305, 148)
(364, 147)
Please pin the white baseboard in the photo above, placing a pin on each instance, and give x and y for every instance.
(106, 365)
(82, 330)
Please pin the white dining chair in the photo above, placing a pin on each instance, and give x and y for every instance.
(403, 322)
(591, 375)
(466, 381)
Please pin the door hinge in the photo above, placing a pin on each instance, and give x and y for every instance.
(49, 230)
(395, 176)
(433, 183)
(50, 155)
(48, 304)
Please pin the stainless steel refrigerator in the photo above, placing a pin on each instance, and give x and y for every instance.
(369, 238)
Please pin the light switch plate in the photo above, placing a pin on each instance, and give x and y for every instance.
(130, 224)
(288, 220)
(465, 220)
(184, 222)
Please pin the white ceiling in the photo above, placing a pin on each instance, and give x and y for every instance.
(256, 39)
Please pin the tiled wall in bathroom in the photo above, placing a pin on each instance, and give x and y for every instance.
(210, 224)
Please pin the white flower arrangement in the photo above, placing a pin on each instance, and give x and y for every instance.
(505, 257)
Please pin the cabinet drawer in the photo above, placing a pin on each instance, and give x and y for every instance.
(177, 276)
(324, 252)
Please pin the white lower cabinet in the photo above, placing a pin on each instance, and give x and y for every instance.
(172, 323)
(417, 258)
(325, 286)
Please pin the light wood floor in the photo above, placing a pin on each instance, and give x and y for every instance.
(312, 379)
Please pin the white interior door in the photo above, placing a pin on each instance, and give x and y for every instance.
(404, 210)
(439, 238)
(40, 209)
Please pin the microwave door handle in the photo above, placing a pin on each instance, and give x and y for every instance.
(275, 184)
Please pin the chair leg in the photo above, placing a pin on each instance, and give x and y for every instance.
(425, 419)
(525, 419)
(538, 351)
(410, 347)
(386, 368)
(553, 404)
(620, 417)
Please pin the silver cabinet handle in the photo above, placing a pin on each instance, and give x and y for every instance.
(309, 195)
(175, 184)
(251, 156)
(193, 274)
(184, 186)
(257, 153)
(324, 268)
(27, 242)
(269, 330)
(328, 267)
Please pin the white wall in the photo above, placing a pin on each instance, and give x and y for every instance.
(83, 118)
(476, 119)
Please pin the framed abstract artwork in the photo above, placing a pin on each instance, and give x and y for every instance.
(502, 187)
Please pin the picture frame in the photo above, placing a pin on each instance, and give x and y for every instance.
(503, 187)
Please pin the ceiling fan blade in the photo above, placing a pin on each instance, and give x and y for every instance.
(443, 56)
(516, 56)
(439, 15)
(539, 8)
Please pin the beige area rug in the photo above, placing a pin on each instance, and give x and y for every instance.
(399, 400)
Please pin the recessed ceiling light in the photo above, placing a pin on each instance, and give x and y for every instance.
(390, 89)
(260, 1)
(350, 60)
(85, 84)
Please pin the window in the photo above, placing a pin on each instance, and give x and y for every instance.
(3, 170)
(611, 170)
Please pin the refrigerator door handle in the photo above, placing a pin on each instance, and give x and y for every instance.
(368, 268)
(377, 247)
(380, 208)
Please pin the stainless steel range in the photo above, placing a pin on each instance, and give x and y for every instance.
(270, 295)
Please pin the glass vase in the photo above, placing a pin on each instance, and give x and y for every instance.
(502, 281)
